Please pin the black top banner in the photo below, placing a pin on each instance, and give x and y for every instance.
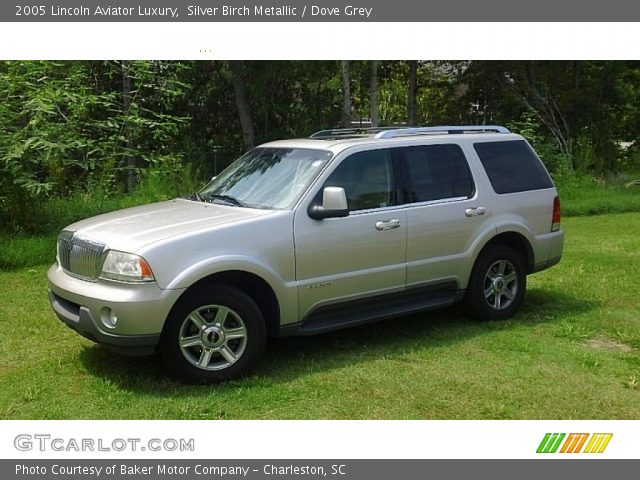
(320, 11)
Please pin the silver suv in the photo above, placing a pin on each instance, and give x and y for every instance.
(299, 237)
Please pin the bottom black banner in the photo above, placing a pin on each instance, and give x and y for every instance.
(585, 469)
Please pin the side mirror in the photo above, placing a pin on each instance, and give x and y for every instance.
(334, 204)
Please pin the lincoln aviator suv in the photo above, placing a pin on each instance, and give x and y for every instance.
(299, 237)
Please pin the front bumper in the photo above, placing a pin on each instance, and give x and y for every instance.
(141, 310)
(81, 320)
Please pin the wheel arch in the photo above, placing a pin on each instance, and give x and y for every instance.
(516, 241)
(251, 284)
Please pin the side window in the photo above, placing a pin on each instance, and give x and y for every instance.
(512, 166)
(366, 178)
(435, 172)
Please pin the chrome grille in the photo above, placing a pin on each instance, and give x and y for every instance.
(80, 257)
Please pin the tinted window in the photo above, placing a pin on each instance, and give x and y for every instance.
(366, 178)
(435, 172)
(512, 166)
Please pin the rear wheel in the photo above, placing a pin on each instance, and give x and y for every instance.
(497, 285)
(215, 333)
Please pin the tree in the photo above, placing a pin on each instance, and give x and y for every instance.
(346, 94)
(129, 159)
(242, 102)
(536, 95)
(373, 93)
(412, 92)
(578, 106)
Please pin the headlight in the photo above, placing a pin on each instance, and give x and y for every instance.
(126, 267)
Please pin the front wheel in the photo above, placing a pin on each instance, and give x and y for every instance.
(214, 334)
(497, 285)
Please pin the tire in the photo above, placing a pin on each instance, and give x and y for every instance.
(213, 334)
(497, 285)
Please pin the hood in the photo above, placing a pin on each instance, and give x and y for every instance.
(132, 228)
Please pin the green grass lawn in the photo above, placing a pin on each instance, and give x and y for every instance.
(573, 352)
(587, 196)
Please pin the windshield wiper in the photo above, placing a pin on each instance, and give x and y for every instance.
(194, 196)
(227, 199)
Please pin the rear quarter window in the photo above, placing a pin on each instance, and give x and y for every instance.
(512, 166)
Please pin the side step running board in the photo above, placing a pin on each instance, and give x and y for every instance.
(349, 314)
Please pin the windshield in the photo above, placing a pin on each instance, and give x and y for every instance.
(267, 177)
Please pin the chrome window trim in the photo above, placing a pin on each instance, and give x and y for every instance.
(410, 205)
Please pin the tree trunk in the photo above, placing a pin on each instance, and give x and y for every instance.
(346, 94)
(129, 160)
(373, 93)
(411, 97)
(242, 102)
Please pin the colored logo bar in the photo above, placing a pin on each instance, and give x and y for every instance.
(574, 443)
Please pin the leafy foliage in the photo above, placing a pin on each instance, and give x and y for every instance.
(62, 129)
(96, 128)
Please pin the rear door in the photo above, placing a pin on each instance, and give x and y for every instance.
(445, 214)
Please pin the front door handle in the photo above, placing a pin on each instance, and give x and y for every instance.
(387, 224)
(475, 211)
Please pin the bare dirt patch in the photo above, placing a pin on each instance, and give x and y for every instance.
(606, 343)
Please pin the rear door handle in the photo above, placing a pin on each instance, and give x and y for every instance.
(475, 211)
(387, 224)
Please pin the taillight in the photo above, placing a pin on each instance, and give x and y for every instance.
(555, 222)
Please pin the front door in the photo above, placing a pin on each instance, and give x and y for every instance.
(341, 259)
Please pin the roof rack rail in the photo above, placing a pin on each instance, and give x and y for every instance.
(448, 129)
(394, 132)
(350, 132)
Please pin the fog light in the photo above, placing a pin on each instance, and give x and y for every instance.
(108, 317)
